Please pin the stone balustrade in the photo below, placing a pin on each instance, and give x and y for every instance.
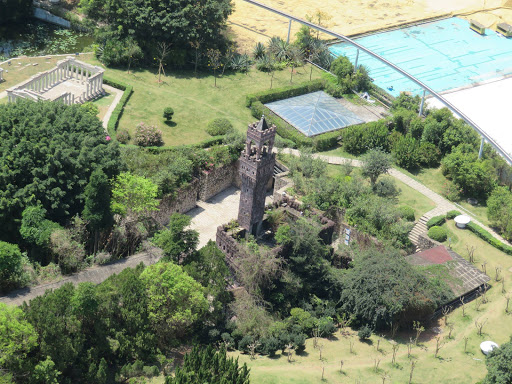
(87, 81)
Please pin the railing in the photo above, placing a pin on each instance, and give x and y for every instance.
(425, 88)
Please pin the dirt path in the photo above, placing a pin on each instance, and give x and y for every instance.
(94, 275)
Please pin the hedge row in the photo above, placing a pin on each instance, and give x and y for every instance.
(319, 143)
(486, 236)
(210, 142)
(116, 114)
(284, 92)
(436, 221)
(452, 214)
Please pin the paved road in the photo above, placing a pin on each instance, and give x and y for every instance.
(118, 94)
(95, 275)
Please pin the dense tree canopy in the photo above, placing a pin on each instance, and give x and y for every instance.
(383, 288)
(179, 23)
(499, 365)
(14, 10)
(47, 154)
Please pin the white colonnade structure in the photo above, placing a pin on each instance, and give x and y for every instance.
(71, 81)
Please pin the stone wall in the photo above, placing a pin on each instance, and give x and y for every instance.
(202, 188)
(425, 242)
(217, 180)
(41, 14)
(184, 201)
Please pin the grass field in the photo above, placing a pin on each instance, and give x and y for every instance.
(195, 99)
(452, 365)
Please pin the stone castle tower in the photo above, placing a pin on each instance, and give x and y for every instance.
(256, 168)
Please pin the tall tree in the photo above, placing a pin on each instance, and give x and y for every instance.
(176, 302)
(133, 194)
(17, 337)
(10, 264)
(61, 146)
(176, 241)
(97, 209)
(375, 163)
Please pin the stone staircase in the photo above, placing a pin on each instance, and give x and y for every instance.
(421, 225)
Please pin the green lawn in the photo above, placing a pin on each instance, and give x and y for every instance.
(452, 365)
(195, 99)
(410, 197)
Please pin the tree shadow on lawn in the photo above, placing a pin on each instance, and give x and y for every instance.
(170, 123)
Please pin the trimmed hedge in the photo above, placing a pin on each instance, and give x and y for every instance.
(116, 114)
(436, 221)
(486, 236)
(284, 92)
(438, 233)
(452, 214)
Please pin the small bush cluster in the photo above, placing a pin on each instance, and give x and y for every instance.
(436, 221)
(452, 214)
(219, 126)
(148, 136)
(364, 332)
(407, 213)
(438, 233)
(123, 136)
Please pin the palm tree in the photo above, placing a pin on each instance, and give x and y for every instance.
(296, 56)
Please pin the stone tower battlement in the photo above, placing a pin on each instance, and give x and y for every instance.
(256, 168)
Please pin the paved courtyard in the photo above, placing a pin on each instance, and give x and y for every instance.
(208, 215)
(488, 105)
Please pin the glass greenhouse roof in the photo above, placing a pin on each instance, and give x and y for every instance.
(314, 113)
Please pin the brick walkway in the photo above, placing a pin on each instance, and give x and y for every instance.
(94, 275)
(442, 205)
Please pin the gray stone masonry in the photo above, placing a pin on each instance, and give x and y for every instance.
(256, 169)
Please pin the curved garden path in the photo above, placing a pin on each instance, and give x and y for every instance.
(442, 205)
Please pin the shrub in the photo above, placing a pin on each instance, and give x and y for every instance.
(486, 236)
(169, 113)
(452, 214)
(406, 152)
(428, 154)
(406, 212)
(499, 206)
(148, 136)
(342, 68)
(243, 345)
(284, 92)
(269, 346)
(123, 136)
(219, 126)
(284, 143)
(438, 233)
(69, 252)
(10, 264)
(364, 332)
(360, 138)
(476, 177)
(411, 103)
(436, 221)
(386, 187)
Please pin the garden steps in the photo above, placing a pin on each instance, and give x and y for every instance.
(443, 206)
